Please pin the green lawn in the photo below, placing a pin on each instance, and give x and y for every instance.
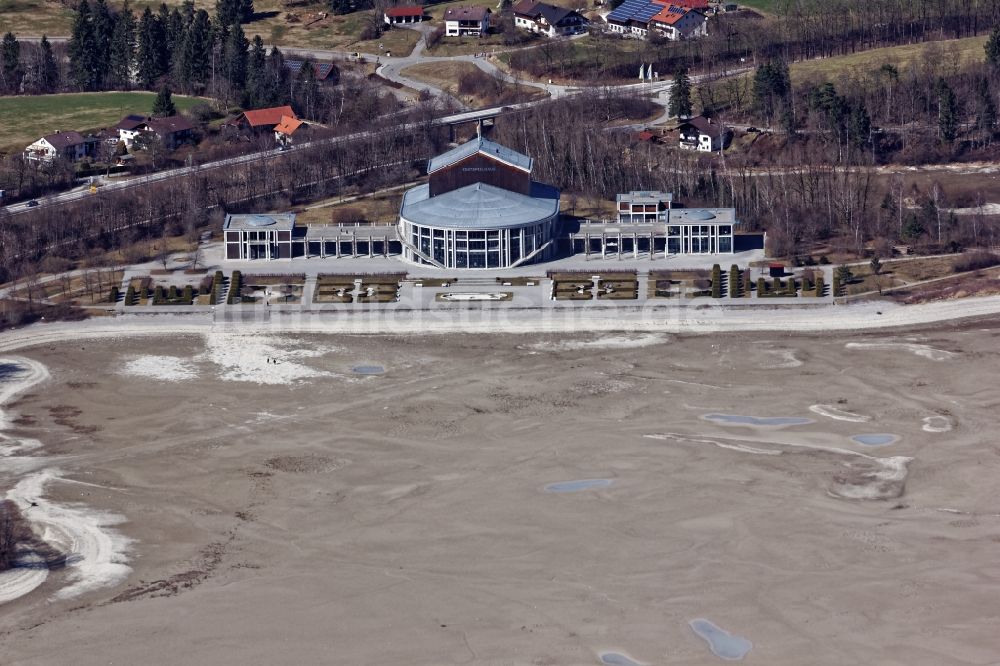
(26, 118)
(951, 50)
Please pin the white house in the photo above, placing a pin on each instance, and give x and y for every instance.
(547, 19)
(701, 134)
(70, 146)
(679, 23)
(466, 21)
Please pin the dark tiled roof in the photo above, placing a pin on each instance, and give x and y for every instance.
(320, 69)
(63, 140)
(704, 126)
(130, 122)
(466, 13)
(169, 125)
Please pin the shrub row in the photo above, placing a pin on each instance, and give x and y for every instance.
(235, 287)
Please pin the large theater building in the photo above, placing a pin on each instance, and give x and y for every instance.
(479, 209)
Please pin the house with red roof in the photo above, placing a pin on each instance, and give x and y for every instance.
(676, 22)
(289, 130)
(264, 120)
(674, 19)
(408, 14)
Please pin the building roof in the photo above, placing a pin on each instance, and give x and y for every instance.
(321, 70)
(670, 15)
(63, 140)
(533, 9)
(708, 215)
(272, 116)
(271, 221)
(484, 146)
(401, 12)
(691, 4)
(466, 13)
(168, 125)
(646, 197)
(479, 206)
(636, 10)
(287, 126)
(130, 122)
(704, 125)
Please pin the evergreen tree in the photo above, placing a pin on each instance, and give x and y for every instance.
(860, 126)
(680, 95)
(122, 55)
(194, 63)
(49, 68)
(986, 110)
(230, 12)
(277, 83)
(104, 28)
(342, 6)
(235, 58)
(947, 112)
(10, 64)
(151, 50)
(255, 90)
(164, 105)
(306, 89)
(993, 48)
(771, 88)
(173, 34)
(84, 58)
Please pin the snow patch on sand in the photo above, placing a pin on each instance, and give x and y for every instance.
(95, 553)
(262, 359)
(623, 341)
(163, 368)
(832, 412)
(861, 477)
(786, 359)
(925, 351)
(17, 374)
(937, 424)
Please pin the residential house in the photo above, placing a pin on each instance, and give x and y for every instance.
(676, 23)
(466, 21)
(548, 19)
(289, 130)
(264, 120)
(71, 146)
(324, 72)
(397, 15)
(675, 19)
(171, 131)
(701, 134)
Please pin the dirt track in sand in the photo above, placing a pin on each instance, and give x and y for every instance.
(322, 517)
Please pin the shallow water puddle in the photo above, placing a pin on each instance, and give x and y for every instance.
(875, 439)
(617, 659)
(740, 419)
(368, 370)
(576, 486)
(722, 643)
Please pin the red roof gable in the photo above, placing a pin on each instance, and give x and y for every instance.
(272, 116)
(400, 12)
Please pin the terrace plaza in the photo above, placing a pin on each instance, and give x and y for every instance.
(480, 209)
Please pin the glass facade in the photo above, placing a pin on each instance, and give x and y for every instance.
(474, 248)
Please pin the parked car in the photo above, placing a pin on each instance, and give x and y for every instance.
(33, 203)
(752, 130)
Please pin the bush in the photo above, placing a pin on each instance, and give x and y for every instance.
(776, 285)
(974, 261)
(188, 294)
(734, 281)
(113, 298)
(824, 260)
(130, 295)
(761, 287)
(143, 295)
(820, 287)
(792, 289)
(835, 288)
(716, 281)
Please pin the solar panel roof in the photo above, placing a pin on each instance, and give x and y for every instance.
(639, 10)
